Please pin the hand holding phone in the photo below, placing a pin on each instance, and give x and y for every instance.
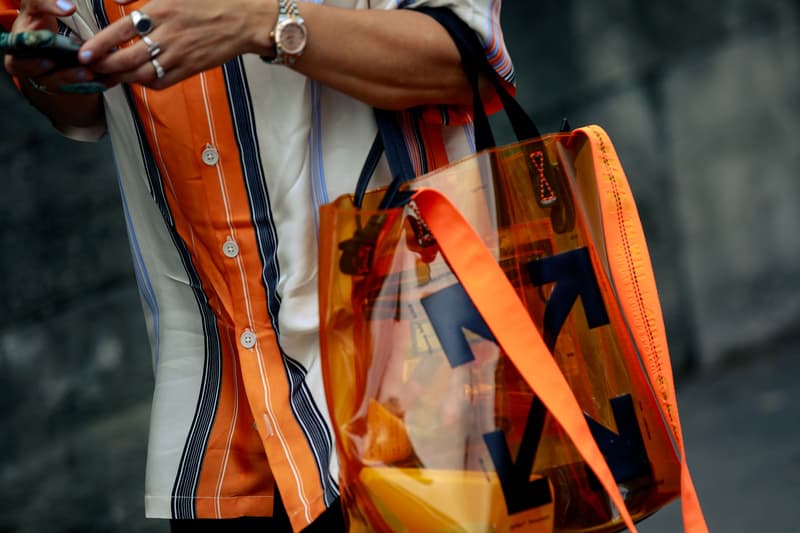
(41, 44)
(58, 49)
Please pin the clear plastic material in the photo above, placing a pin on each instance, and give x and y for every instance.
(436, 429)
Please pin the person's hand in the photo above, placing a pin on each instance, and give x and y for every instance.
(188, 37)
(44, 74)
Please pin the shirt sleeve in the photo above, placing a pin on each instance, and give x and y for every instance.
(483, 16)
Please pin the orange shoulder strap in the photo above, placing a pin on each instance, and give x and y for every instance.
(634, 283)
(507, 318)
(509, 321)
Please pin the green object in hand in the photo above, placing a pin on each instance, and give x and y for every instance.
(84, 87)
(41, 44)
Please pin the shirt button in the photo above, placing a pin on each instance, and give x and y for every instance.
(210, 156)
(230, 248)
(248, 339)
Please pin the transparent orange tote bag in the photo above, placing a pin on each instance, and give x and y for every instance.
(492, 343)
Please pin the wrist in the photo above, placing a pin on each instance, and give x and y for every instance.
(261, 38)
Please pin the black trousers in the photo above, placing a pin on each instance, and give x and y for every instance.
(331, 521)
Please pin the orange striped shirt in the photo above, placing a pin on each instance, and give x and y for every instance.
(221, 178)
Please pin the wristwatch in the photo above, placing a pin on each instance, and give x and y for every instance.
(290, 34)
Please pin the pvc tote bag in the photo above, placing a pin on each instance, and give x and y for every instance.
(492, 343)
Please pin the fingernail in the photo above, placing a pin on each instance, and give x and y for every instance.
(85, 55)
(82, 75)
(46, 64)
(64, 5)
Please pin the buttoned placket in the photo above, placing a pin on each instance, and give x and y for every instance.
(248, 338)
(210, 156)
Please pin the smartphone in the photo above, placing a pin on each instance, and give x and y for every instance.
(43, 44)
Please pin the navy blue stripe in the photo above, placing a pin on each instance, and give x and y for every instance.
(414, 119)
(186, 483)
(63, 29)
(100, 14)
(302, 403)
(445, 115)
(185, 489)
(315, 429)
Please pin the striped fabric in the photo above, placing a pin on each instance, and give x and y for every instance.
(221, 177)
(9, 9)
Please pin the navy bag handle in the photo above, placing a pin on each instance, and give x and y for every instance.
(390, 137)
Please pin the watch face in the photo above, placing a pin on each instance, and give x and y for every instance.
(292, 38)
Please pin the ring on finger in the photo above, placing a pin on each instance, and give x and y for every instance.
(159, 69)
(39, 86)
(153, 47)
(142, 23)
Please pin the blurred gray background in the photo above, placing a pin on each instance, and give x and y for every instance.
(702, 101)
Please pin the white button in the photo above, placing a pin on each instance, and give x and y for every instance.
(230, 248)
(210, 156)
(268, 426)
(248, 339)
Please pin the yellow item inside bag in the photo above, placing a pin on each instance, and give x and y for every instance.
(414, 499)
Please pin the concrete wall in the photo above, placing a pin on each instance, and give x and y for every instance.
(75, 372)
(702, 101)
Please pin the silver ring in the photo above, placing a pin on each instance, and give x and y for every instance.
(142, 23)
(159, 69)
(39, 86)
(153, 47)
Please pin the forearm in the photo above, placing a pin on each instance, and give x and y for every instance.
(391, 59)
(78, 116)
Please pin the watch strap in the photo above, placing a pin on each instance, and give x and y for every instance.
(283, 10)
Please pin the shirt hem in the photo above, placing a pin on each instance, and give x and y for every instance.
(160, 507)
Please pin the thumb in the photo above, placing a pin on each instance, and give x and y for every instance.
(58, 8)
